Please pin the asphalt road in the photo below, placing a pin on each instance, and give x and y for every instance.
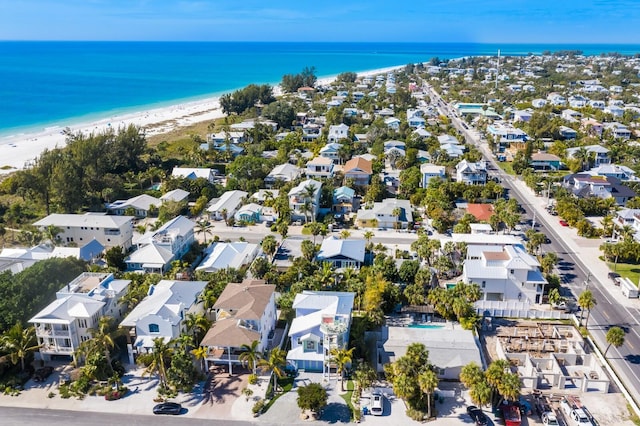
(28, 416)
(574, 273)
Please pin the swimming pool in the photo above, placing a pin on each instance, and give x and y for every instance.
(425, 326)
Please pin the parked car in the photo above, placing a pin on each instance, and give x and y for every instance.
(42, 374)
(563, 223)
(580, 417)
(172, 408)
(476, 414)
(550, 419)
(377, 403)
(615, 277)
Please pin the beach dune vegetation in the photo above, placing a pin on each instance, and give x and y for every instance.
(306, 78)
(244, 99)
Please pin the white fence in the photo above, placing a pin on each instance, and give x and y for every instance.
(512, 309)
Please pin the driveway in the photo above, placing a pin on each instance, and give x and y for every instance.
(221, 391)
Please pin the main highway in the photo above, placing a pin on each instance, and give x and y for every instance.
(574, 273)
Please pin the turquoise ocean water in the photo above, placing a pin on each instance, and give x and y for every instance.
(61, 83)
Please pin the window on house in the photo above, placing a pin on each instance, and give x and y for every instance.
(154, 328)
(512, 271)
(310, 345)
(484, 284)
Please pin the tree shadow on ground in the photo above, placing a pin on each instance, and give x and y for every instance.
(335, 412)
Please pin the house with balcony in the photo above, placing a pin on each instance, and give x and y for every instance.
(471, 173)
(390, 213)
(304, 199)
(359, 170)
(342, 253)
(430, 171)
(507, 136)
(504, 273)
(322, 323)
(623, 173)
(340, 131)
(618, 130)
(544, 161)
(161, 314)
(226, 205)
(599, 154)
(157, 249)
(343, 200)
(65, 323)
(245, 312)
(319, 167)
(584, 185)
(332, 152)
(283, 173)
(108, 230)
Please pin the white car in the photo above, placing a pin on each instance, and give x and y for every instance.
(377, 404)
(550, 419)
(580, 417)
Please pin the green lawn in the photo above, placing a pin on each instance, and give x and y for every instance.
(627, 270)
(506, 166)
(347, 396)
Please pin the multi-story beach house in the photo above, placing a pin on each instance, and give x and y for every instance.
(245, 312)
(304, 199)
(157, 249)
(430, 171)
(342, 253)
(340, 131)
(65, 323)
(471, 173)
(504, 273)
(319, 167)
(110, 231)
(359, 170)
(322, 323)
(282, 173)
(161, 314)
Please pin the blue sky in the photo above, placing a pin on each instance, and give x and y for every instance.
(483, 21)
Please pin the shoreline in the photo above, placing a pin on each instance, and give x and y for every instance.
(18, 151)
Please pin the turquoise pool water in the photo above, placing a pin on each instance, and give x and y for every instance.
(425, 326)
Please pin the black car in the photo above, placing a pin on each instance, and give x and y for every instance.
(614, 276)
(42, 374)
(172, 408)
(476, 414)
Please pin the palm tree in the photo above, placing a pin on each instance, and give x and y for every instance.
(615, 337)
(428, 381)
(554, 296)
(342, 358)
(208, 298)
(274, 364)
(587, 301)
(200, 354)
(203, 227)
(269, 245)
(250, 355)
(102, 339)
(509, 386)
(495, 374)
(51, 233)
(197, 325)
(368, 235)
(309, 194)
(582, 154)
(480, 393)
(397, 212)
(345, 234)
(18, 342)
(158, 360)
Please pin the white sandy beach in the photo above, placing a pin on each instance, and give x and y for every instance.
(19, 151)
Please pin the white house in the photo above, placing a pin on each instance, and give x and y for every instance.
(110, 231)
(65, 323)
(600, 154)
(140, 205)
(392, 123)
(390, 213)
(161, 314)
(504, 273)
(227, 204)
(322, 323)
(157, 249)
(17, 259)
(319, 167)
(228, 255)
(430, 171)
(342, 253)
(306, 194)
(245, 312)
(284, 173)
(331, 151)
(623, 173)
(471, 173)
(341, 131)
